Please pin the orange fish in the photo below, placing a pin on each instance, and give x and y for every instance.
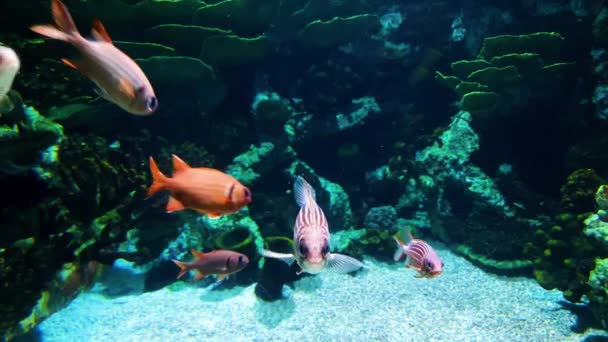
(208, 191)
(118, 78)
(220, 262)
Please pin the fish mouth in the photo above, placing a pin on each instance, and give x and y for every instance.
(313, 267)
(433, 274)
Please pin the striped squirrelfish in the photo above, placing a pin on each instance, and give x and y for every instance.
(311, 237)
(9, 66)
(118, 78)
(220, 262)
(208, 191)
(421, 257)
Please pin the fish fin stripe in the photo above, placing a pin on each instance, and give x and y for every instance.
(99, 32)
(178, 164)
(158, 179)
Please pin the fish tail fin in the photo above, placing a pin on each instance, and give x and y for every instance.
(159, 180)
(302, 191)
(65, 28)
(400, 252)
(182, 266)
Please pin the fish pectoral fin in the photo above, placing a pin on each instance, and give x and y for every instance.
(6, 105)
(99, 32)
(103, 94)
(284, 257)
(343, 263)
(199, 276)
(221, 277)
(174, 205)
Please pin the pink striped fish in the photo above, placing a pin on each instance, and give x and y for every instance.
(311, 237)
(421, 257)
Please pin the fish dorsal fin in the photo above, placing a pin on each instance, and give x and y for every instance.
(99, 32)
(404, 236)
(198, 254)
(302, 191)
(179, 165)
(409, 234)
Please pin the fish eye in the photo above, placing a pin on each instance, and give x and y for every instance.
(303, 249)
(247, 193)
(152, 103)
(240, 260)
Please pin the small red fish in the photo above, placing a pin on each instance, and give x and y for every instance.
(220, 262)
(421, 257)
(118, 78)
(208, 191)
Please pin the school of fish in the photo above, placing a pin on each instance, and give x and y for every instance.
(207, 191)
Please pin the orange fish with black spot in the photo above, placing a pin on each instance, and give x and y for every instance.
(208, 191)
(220, 262)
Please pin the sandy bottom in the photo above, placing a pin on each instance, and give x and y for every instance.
(383, 303)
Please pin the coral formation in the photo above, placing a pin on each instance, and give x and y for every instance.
(508, 71)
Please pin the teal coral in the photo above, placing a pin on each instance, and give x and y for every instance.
(27, 140)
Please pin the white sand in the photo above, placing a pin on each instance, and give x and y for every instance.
(384, 303)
